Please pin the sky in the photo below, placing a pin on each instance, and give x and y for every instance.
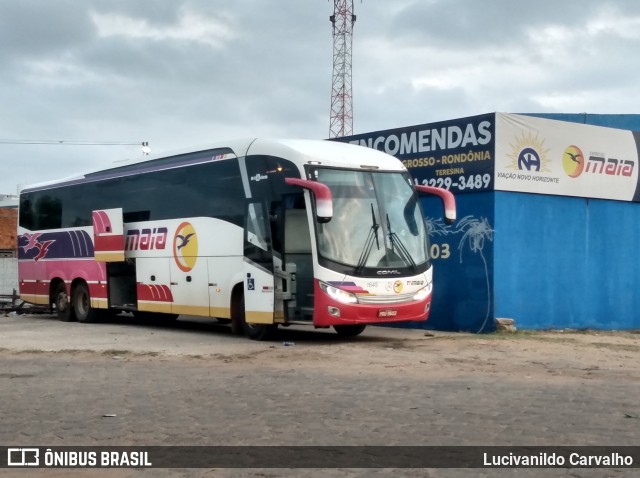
(184, 73)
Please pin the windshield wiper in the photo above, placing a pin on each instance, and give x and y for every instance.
(402, 250)
(368, 244)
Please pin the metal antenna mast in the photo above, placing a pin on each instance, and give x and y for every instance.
(341, 122)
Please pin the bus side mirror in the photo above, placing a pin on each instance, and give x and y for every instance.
(448, 200)
(322, 193)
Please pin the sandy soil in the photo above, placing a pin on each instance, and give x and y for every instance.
(195, 383)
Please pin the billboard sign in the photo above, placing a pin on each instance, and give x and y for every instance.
(456, 154)
(542, 156)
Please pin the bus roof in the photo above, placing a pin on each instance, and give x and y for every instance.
(328, 153)
(299, 151)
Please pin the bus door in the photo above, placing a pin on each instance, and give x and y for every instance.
(298, 259)
(266, 184)
(109, 247)
(261, 305)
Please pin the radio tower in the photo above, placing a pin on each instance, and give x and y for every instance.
(341, 122)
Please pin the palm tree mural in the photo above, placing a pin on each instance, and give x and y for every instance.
(436, 227)
(474, 233)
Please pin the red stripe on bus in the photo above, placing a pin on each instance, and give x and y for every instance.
(40, 288)
(109, 243)
(101, 219)
(154, 293)
(98, 291)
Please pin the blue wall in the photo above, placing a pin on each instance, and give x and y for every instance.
(567, 262)
(463, 265)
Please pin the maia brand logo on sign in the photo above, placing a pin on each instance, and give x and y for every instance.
(574, 164)
(529, 154)
(573, 161)
(185, 246)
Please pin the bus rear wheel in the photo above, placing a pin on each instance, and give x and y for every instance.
(61, 302)
(81, 302)
(349, 330)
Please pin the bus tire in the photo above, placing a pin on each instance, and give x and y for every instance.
(349, 330)
(81, 302)
(237, 315)
(255, 331)
(259, 331)
(62, 304)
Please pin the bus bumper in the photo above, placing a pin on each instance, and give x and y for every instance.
(328, 311)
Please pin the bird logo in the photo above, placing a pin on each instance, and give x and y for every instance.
(185, 246)
(184, 240)
(573, 161)
(34, 243)
(42, 247)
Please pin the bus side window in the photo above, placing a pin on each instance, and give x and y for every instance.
(49, 213)
(256, 233)
(257, 246)
(27, 216)
(275, 224)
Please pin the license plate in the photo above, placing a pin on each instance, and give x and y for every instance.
(387, 313)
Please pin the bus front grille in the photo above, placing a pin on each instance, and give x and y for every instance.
(385, 299)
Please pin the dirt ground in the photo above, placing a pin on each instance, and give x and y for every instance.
(535, 355)
(193, 383)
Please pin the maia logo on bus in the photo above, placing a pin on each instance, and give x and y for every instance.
(146, 239)
(185, 246)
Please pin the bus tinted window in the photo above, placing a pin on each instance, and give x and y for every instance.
(211, 189)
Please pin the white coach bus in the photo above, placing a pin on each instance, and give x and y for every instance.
(258, 233)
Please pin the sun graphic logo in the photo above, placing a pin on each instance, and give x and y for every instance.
(185, 246)
(529, 153)
(397, 286)
(573, 161)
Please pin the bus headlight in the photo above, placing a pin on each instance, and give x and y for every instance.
(338, 294)
(422, 294)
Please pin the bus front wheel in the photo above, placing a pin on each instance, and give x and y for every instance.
(81, 302)
(255, 331)
(349, 330)
(62, 304)
(259, 331)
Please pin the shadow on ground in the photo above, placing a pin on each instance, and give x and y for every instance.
(300, 334)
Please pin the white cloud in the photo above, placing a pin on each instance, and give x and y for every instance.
(611, 22)
(564, 102)
(214, 32)
(52, 73)
(184, 72)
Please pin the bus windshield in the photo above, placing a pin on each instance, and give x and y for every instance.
(377, 223)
